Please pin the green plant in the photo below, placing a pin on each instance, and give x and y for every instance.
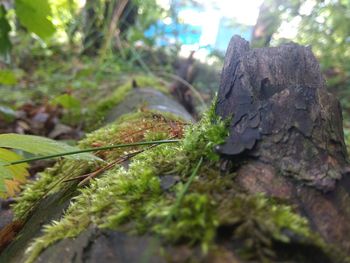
(13, 170)
(33, 15)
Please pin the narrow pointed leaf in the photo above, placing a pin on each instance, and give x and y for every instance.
(18, 171)
(42, 146)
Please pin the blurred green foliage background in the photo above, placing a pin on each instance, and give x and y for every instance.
(60, 52)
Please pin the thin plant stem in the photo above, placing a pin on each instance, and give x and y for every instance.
(91, 150)
(184, 191)
(188, 85)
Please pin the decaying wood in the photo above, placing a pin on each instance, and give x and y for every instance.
(288, 130)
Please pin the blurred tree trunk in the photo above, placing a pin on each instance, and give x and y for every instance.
(266, 25)
(104, 22)
(270, 19)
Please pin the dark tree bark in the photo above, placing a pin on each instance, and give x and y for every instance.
(288, 130)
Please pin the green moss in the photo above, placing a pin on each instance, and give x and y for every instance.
(49, 181)
(117, 197)
(133, 200)
(150, 82)
(195, 221)
(201, 139)
(120, 93)
(115, 98)
(58, 230)
(130, 128)
(260, 221)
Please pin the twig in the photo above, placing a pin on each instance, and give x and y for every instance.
(87, 177)
(188, 85)
(117, 13)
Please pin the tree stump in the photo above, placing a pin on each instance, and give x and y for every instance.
(288, 130)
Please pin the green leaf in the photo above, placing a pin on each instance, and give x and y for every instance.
(34, 15)
(18, 171)
(67, 101)
(5, 28)
(7, 77)
(11, 176)
(41, 146)
(4, 172)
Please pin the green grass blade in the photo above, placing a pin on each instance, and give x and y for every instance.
(79, 152)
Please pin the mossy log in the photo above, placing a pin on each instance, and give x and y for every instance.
(284, 198)
(150, 99)
(288, 130)
(147, 101)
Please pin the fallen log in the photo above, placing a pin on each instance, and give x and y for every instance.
(153, 107)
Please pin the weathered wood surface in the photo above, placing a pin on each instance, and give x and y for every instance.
(288, 130)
